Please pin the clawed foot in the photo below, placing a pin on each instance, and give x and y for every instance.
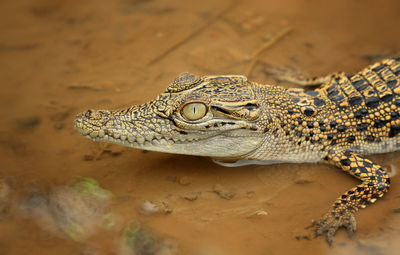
(329, 224)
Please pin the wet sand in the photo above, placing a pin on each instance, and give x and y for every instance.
(59, 58)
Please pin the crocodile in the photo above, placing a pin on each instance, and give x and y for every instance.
(227, 117)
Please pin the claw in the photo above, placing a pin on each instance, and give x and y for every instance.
(330, 224)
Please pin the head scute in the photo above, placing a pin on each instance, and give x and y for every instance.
(183, 81)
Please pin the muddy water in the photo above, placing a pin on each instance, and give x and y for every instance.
(59, 58)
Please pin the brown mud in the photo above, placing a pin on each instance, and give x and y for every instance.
(59, 58)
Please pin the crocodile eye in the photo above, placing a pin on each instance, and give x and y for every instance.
(194, 111)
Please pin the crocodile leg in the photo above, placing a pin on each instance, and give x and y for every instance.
(375, 182)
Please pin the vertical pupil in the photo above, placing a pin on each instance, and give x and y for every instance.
(194, 110)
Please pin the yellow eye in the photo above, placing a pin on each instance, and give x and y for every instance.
(194, 111)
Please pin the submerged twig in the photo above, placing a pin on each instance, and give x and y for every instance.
(193, 33)
(266, 45)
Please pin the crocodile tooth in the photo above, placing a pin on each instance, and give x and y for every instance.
(131, 138)
(155, 142)
(149, 137)
(140, 139)
(117, 135)
(105, 137)
(158, 136)
(94, 134)
(163, 141)
(110, 132)
(135, 144)
(147, 143)
(101, 133)
(123, 137)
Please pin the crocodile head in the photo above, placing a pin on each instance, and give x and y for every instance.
(216, 116)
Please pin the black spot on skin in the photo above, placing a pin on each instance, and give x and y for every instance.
(290, 111)
(367, 164)
(372, 102)
(397, 73)
(378, 123)
(296, 100)
(322, 128)
(387, 98)
(391, 83)
(359, 189)
(341, 128)
(351, 139)
(355, 101)
(250, 106)
(309, 112)
(182, 132)
(397, 102)
(360, 85)
(397, 58)
(364, 111)
(307, 138)
(219, 109)
(358, 115)
(350, 192)
(319, 102)
(313, 93)
(310, 124)
(208, 126)
(394, 115)
(345, 162)
(330, 136)
(298, 133)
(347, 153)
(333, 142)
(332, 93)
(394, 130)
(378, 68)
(370, 138)
(333, 124)
(337, 98)
(362, 127)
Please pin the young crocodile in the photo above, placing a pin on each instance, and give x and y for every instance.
(229, 117)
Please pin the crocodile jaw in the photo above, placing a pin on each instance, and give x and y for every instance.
(103, 126)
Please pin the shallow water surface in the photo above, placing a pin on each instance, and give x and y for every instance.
(59, 58)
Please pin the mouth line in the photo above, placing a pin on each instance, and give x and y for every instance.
(130, 140)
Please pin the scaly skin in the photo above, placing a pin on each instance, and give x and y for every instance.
(230, 117)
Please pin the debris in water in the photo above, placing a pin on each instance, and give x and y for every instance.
(191, 196)
(222, 192)
(152, 208)
(257, 213)
(138, 240)
(77, 209)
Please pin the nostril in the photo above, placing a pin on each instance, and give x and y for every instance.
(88, 113)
